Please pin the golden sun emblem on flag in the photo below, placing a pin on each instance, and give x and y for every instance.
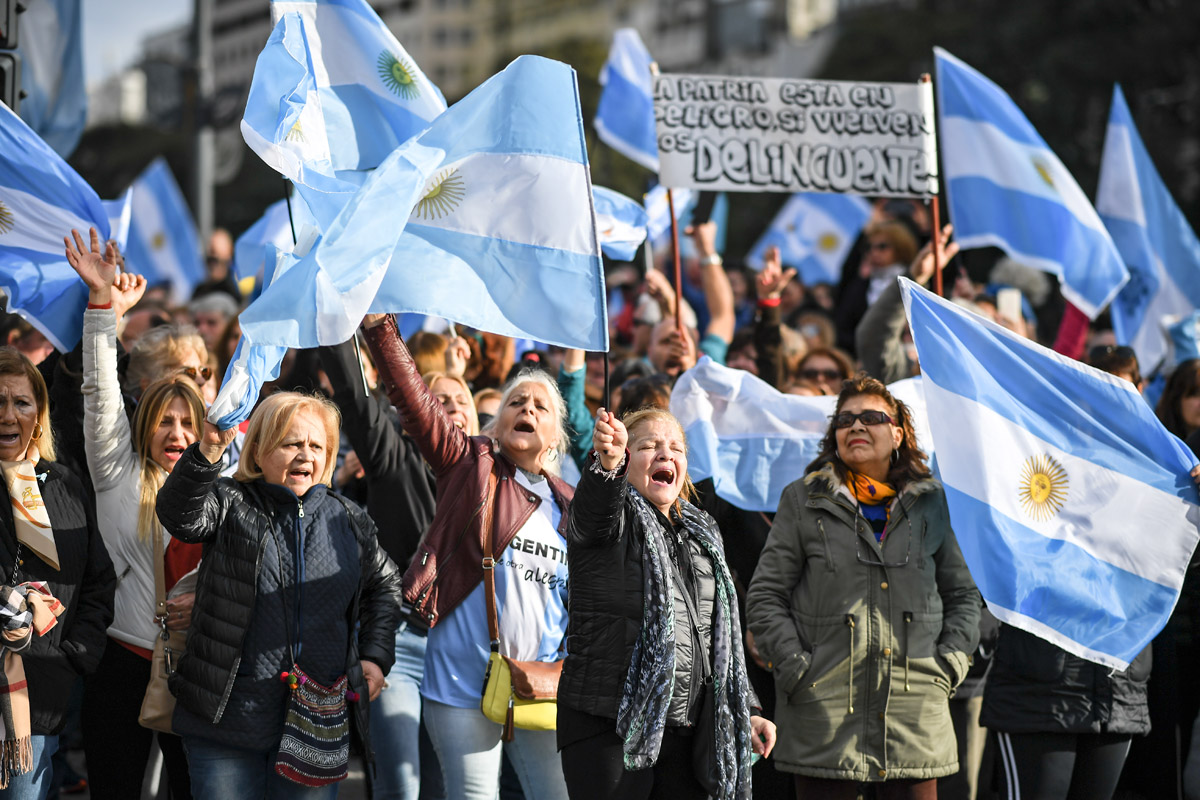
(398, 75)
(1045, 172)
(443, 196)
(158, 241)
(296, 134)
(1043, 488)
(828, 242)
(7, 222)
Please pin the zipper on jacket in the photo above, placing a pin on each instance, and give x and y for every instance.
(830, 566)
(850, 680)
(418, 606)
(262, 545)
(908, 618)
(300, 508)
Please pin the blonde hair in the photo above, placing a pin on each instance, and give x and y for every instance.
(269, 425)
(159, 348)
(431, 378)
(428, 350)
(154, 403)
(636, 419)
(541, 378)
(14, 362)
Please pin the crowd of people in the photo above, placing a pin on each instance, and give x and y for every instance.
(401, 513)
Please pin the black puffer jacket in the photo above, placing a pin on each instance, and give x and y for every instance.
(1037, 687)
(233, 520)
(604, 546)
(84, 582)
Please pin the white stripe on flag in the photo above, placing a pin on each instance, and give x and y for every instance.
(979, 149)
(1120, 193)
(38, 225)
(1094, 495)
(496, 195)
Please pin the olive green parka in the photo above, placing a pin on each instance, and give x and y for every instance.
(867, 642)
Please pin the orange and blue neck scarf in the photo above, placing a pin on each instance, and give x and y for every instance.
(874, 501)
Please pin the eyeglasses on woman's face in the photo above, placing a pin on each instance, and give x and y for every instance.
(868, 417)
(820, 375)
(198, 374)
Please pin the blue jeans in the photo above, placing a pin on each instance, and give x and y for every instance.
(35, 784)
(219, 771)
(396, 721)
(469, 746)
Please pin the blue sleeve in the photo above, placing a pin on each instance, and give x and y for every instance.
(714, 347)
(579, 419)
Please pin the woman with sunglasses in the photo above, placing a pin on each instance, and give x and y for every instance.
(864, 610)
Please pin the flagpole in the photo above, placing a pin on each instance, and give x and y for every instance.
(287, 196)
(935, 213)
(675, 256)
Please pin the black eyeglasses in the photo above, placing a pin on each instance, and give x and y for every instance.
(872, 562)
(881, 246)
(818, 374)
(198, 374)
(846, 419)
(1120, 351)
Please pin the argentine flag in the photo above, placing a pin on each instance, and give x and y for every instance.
(55, 102)
(814, 232)
(625, 114)
(1071, 502)
(1154, 238)
(163, 244)
(273, 229)
(621, 223)
(333, 94)
(752, 439)
(1007, 189)
(503, 238)
(41, 200)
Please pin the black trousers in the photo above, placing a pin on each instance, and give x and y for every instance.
(1060, 766)
(116, 746)
(595, 768)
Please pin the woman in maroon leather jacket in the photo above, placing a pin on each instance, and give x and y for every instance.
(508, 477)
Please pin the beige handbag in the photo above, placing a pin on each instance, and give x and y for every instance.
(158, 706)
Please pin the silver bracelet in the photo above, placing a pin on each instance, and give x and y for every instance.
(607, 474)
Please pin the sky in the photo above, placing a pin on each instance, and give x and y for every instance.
(113, 31)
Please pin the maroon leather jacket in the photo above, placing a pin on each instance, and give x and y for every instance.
(448, 564)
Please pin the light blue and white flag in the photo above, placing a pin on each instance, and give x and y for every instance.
(504, 237)
(625, 114)
(275, 229)
(163, 243)
(51, 49)
(1071, 502)
(1154, 238)
(658, 210)
(621, 223)
(752, 439)
(814, 232)
(120, 215)
(41, 200)
(1007, 189)
(252, 365)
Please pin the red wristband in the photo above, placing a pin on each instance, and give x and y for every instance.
(106, 305)
(769, 302)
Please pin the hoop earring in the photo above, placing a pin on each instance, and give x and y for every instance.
(37, 432)
(895, 456)
(552, 455)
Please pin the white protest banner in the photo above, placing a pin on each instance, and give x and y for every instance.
(781, 135)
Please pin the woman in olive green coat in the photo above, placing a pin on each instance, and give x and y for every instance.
(864, 609)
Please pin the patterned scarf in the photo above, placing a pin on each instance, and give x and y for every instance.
(646, 695)
(29, 510)
(25, 609)
(874, 501)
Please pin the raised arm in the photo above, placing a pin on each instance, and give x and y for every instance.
(596, 517)
(572, 383)
(441, 442)
(189, 505)
(768, 334)
(718, 293)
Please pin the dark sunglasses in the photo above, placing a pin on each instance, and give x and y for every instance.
(846, 419)
(818, 374)
(1105, 350)
(198, 374)
(881, 246)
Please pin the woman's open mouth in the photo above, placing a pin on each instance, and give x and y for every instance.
(664, 477)
(524, 427)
